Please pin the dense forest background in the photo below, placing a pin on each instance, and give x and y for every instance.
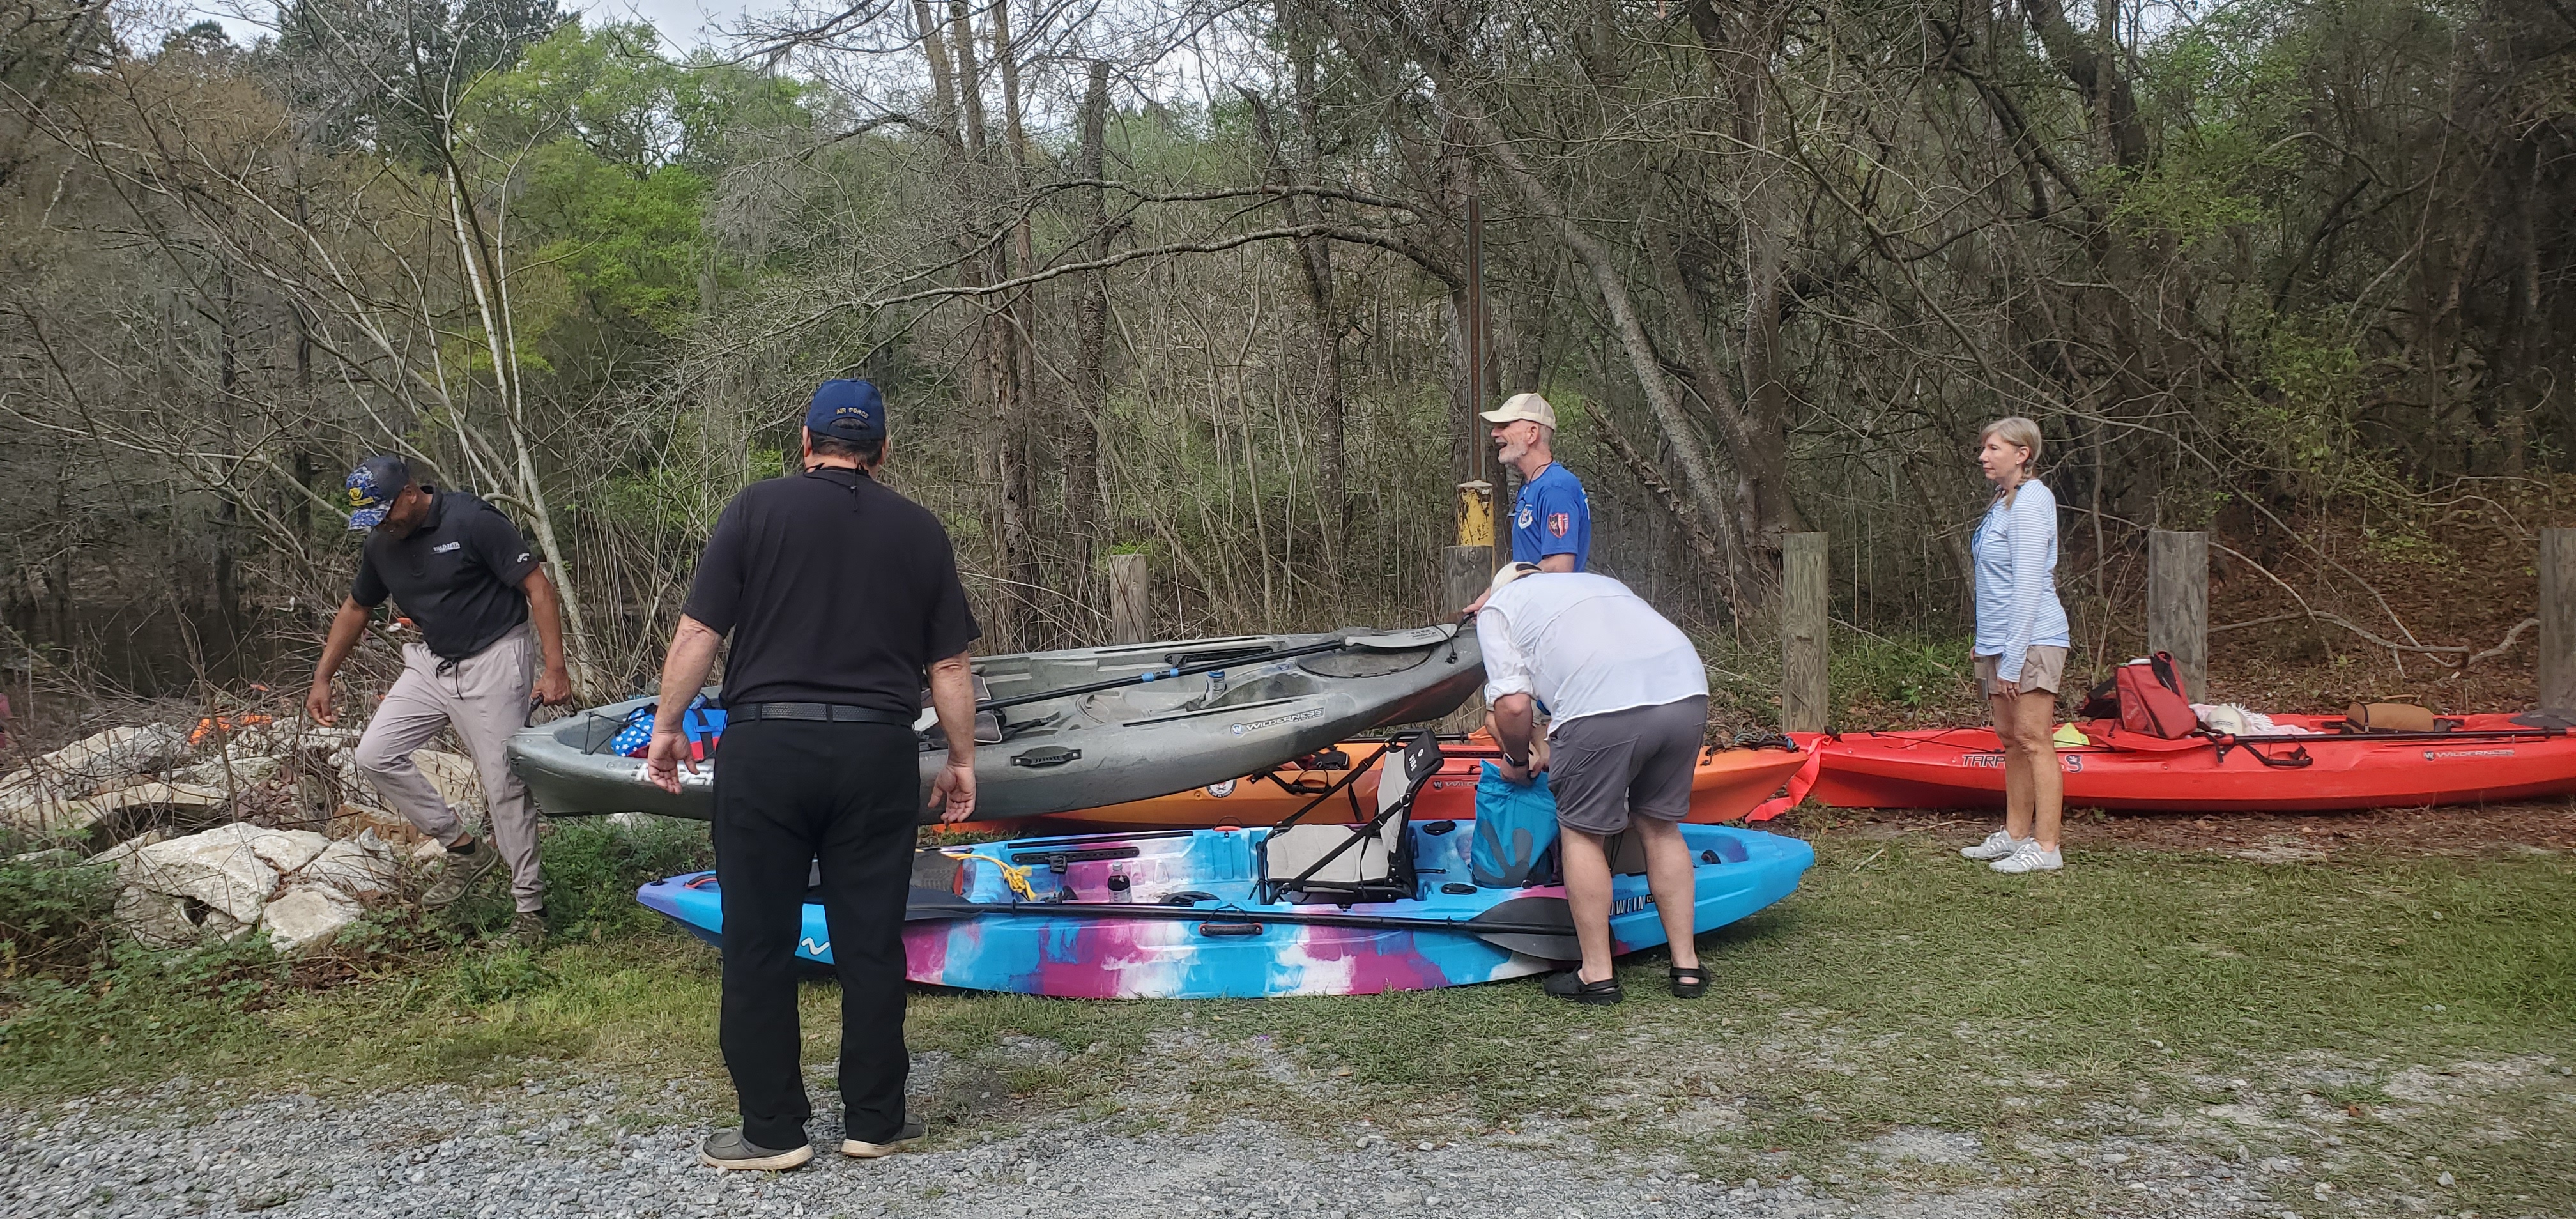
(1192, 279)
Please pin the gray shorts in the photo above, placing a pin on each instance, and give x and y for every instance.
(1603, 768)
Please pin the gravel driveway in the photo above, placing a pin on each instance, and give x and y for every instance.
(558, 1149)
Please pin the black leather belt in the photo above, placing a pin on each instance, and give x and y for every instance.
(821, 713)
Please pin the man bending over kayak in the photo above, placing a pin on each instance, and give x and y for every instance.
(1627, 704)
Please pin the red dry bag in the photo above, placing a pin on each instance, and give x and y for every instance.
(2152, 700)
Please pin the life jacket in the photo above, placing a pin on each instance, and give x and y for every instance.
(2152, 700)
(702, 724)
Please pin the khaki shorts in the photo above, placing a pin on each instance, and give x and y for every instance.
(2043, 670)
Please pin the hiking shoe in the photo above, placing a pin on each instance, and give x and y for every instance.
(528, 929)
(2027, 857)
(458, 875)
(861, 1149)
(728, 1150)
(1996, 846)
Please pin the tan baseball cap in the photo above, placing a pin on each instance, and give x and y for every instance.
(1524, 406)
(1509, 573)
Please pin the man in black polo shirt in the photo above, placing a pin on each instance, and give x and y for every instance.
(469, 582)
(842, 598)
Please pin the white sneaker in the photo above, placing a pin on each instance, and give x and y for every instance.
(2027, 857)
(1996, 846)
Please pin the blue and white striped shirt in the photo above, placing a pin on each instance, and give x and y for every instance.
(2016, 558)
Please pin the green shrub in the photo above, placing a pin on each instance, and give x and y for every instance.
(52, 1026)
(594, 866)
(53, 916)
(491, 977)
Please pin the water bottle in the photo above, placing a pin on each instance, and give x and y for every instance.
(1120, 888)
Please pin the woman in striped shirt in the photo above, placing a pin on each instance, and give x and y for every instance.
(2021, 644)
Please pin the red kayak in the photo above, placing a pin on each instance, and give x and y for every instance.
(2487, 759)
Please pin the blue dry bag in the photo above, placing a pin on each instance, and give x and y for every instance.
(1515, 828)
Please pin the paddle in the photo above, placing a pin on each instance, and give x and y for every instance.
(1541, 927)
(1232, 662)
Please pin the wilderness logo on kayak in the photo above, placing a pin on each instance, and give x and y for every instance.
(2072, 763)
(1311, 713)
(2431, 754)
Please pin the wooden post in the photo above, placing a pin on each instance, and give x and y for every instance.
(1127, 607)
(1805, 695)
(2558, 618)
(1464, 573)
(2178, 604)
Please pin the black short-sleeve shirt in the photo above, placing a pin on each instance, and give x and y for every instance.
(456, 577)
(834, 589)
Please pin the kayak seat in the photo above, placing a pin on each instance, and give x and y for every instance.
(1363, 860)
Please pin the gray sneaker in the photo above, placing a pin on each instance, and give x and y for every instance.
(728, 1150)
(861, 1149)
(1996, 846)
(458, 875)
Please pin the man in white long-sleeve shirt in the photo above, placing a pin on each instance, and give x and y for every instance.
(1627, 703)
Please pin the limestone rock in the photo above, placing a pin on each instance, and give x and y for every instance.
(234, 771)
(43, 804)
(289, 850)
(222, 868)
(117, 753)
(164, 920)
(307, 919)
(359, 868)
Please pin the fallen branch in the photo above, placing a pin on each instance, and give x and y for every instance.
(2469, 655)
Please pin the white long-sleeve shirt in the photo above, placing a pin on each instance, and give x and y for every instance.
(2016, 560)
(1582, 644)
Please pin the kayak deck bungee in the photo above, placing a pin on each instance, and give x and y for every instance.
(1194, 924)
(1725, 785)
(1091, 726)
(2488, 759)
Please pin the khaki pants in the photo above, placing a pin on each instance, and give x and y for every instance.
(485, 697)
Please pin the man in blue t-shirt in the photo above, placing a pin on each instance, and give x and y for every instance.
(1551, 520)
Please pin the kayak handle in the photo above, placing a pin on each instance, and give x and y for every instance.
(1225, 929)
(1051, 755)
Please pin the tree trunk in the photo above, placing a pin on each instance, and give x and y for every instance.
(1085, 490)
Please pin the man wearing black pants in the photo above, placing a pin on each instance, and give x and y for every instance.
(842, 599)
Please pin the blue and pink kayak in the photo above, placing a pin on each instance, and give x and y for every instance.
(1178, 914)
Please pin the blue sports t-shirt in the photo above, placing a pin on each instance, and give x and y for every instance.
(1551, 516)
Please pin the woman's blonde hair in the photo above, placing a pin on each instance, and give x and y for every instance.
(2015, 430)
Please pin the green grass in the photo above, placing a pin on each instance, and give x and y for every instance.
(2124, 996)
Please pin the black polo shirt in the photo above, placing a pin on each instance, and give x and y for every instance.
(456, 577)
(834, 589)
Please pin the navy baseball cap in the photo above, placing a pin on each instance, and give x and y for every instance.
(849, 410)
(372, 488)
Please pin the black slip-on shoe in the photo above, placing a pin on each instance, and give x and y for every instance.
(728, 1150)
(1570, 985)
(861, 1149)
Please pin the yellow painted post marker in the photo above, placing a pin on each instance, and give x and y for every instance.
(1476, 514)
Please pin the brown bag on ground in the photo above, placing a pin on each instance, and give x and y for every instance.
(2390, 717)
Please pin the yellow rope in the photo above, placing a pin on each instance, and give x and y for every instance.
(1015, 875)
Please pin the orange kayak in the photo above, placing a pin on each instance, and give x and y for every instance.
(1727, 785)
